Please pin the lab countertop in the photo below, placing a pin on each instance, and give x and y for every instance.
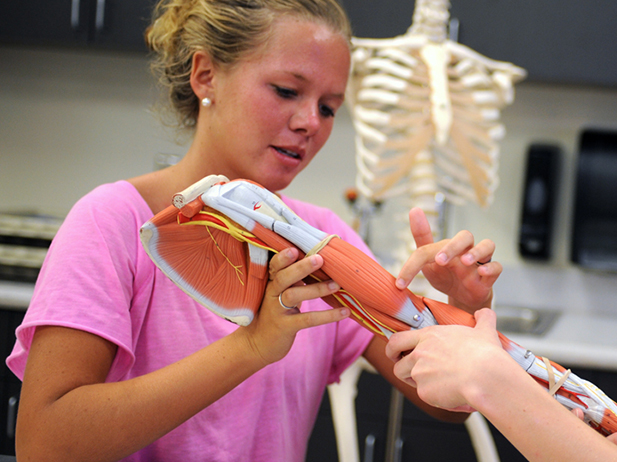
(15, 295)
(576, 340)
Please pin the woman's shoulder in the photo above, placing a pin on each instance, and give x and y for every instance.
(113, 199)
(107, 212)
(109, 195)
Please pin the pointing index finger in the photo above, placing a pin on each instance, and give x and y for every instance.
(420, 227)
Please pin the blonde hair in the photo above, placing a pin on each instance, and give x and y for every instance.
(225, 29)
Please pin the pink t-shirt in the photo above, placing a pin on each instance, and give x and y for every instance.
(98, 278)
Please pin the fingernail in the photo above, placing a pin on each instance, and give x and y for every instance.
(344, 312)
(468, 259)
(441, 257)
(314, 260)
(333, 286)
(400, 283)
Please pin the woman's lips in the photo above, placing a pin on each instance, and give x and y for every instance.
(288, 152)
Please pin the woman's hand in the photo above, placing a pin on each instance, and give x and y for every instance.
(446, 363)
(273, 331)
(464, 369)
(457, 267)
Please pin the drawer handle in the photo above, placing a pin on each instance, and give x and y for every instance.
(369, 448)
(398, 450)
(11, 419)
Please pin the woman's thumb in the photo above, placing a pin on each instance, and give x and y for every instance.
(486, 318)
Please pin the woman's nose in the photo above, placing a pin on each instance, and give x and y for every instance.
(306, 119)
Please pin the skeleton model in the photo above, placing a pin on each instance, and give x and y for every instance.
(426, 112)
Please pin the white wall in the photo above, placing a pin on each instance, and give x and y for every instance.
(70, 120)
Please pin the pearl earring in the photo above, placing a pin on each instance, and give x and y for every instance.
(206, 102)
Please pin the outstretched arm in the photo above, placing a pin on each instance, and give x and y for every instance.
(463, 368)
(68, 412)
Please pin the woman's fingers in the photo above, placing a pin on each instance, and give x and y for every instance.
(448, 252)
(280, 261)
(287, 273)
(490, 272)
(399, 349)
(273, 331)
(402, 342)
(416, 261)
(420, 227)
(318, 318)
(480, 254)
(486, 319)
(461, 245)
(294, 295)
(285, 270)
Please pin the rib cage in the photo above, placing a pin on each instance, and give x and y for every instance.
(426, 112)
(408, 95)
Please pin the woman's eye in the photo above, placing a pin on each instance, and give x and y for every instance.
(286, 93)
(326, 111)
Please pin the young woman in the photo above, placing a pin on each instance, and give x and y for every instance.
(117, 362)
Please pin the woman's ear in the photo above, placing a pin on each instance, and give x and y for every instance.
(202, 74)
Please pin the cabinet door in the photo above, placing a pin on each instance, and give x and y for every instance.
(108, 24)
(565, 41)
(44, 21)
(560, 41)
(372, 404)
(10, 385)
(121, 24)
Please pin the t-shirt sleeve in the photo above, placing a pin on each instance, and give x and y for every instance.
(86, 281)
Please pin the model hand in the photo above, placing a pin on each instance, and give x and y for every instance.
(457, 267)
(447, 363)
(273, 331)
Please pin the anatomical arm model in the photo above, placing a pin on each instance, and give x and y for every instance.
(215, 243)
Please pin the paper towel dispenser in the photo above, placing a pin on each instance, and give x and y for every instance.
(594, 226)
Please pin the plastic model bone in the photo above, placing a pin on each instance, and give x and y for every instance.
(426, 112)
